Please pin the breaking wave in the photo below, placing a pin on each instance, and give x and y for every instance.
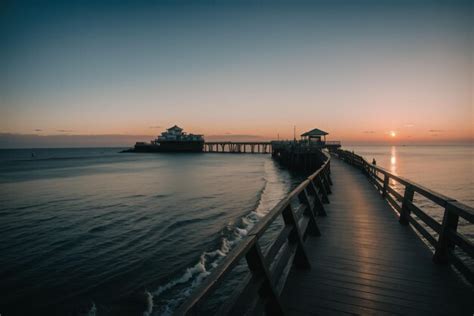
(273, 191)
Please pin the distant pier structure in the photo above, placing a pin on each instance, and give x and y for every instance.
(238, 147)
(304, 155)
(295, 154)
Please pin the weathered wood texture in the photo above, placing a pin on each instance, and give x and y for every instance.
(366, 263)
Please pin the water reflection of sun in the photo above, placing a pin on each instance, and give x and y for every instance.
(393, 160)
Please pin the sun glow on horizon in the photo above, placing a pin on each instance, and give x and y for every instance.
(392, 133)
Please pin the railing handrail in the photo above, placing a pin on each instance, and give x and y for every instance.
(250, 243)
(448, 235)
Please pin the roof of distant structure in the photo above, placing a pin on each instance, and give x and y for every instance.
(175, 127)
(315, 132)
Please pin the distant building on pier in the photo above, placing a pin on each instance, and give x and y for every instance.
(314, 135)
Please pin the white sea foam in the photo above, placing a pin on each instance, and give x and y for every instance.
(273, 191)
(149, 304)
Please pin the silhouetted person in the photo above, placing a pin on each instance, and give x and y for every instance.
(374, 162)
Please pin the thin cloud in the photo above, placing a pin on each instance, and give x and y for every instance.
(38, 130)
(436, 131)
(368, 132)
(64, 131)
(12, 140)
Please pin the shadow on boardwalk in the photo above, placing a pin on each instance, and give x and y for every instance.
(366, 263)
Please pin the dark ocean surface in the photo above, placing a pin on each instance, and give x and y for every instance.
(92, 231)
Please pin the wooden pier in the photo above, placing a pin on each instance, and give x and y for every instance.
(238, 147)
(367, 263)
(271, 147)
(305, 156)
(352, 244)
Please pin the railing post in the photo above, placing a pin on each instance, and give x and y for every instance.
(445, 245)
(407, 198)
(318, 205)
(259, 269)
(364, 168)
(326, 184)
(328, 173)
(313, 228)
(319, 184)
(371, 173)
(385, 186)
(296, 236)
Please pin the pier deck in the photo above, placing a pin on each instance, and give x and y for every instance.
(365, 262)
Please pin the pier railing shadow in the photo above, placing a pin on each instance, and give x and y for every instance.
(445, 238)
(260, 291)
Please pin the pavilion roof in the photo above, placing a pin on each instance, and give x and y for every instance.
(175, 127)
(315, 132)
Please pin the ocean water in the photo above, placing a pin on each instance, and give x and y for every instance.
(93, 231)
(448, 170)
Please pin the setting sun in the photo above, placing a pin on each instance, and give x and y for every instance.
(393, 134)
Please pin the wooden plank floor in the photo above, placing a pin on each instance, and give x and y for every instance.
(366, 263)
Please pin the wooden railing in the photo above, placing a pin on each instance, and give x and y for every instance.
(237, 147)
(261, 289)
(444, 236)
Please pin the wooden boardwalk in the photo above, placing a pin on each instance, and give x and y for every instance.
(366, 263)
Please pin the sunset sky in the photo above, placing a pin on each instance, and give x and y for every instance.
(237, 70)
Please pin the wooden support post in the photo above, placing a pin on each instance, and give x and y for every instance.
(322, 189)
(407, 198)
(259, 269)
(327, 171)
(385, 186)
(313, 228)
(318, 205)
(445, 245)
(296, 236)
(326, 182)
